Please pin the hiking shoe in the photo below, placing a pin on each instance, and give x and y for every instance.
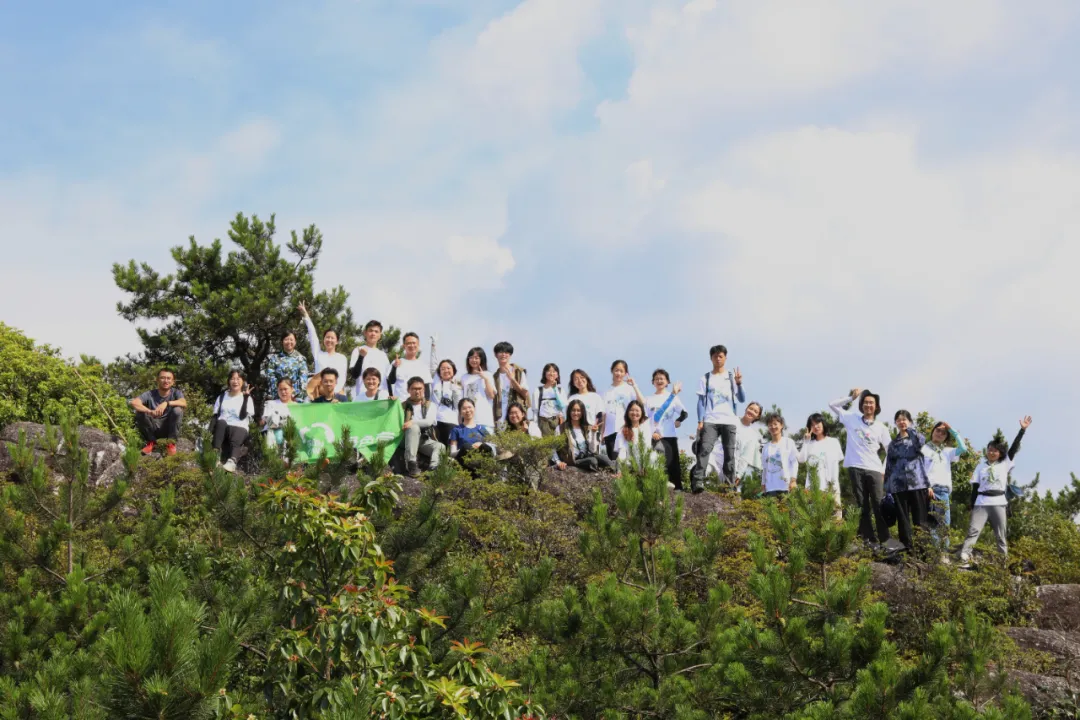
(697, 488)
(148, 447)
(170, 449)
(412, 470)
(229, 466)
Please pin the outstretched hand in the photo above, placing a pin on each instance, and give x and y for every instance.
(1025, 422)
(678, 388)
(302, 308)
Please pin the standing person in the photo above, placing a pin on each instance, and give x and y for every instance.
(748, 443)
(823, 453)
(231, 412)
(276, 413)
(990, 482)
(779, 459)
(866, 436)
(939, 460)
(371, 387)
(511, 385)
(369, 356)
(419, 429)
(158, 412)
(446, 394)
(549, 402)
(288, 364)
(635, 429)
(667, 413)
(326, 391)
(328, 357)
(478, 387)
(582, 448)
(905, 478)
(617, 399)
(582, 388)
(410, 366)
(719, 392)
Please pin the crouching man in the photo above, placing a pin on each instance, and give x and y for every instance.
(158, 412)
(420, 417)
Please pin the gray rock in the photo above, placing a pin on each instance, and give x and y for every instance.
(1063, 645)
(1060, 607)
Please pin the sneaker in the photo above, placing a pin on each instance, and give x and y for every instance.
(229, 466)
(965, 562)
(697, 488)
(412, 470)
(170, 449)
(671, 486)
(148, 447)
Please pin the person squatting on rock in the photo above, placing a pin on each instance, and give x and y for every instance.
(159, 412)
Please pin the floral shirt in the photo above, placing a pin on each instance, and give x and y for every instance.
(286, 365)
(904, 466)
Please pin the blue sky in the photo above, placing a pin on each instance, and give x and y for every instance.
(844, 193)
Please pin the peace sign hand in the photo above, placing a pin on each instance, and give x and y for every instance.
(738, 376)
(302, 308)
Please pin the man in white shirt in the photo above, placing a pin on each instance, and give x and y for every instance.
(718, 393)
(866, 438)
(511, 385)
(410, 366)
(419, 429)
(367, 356)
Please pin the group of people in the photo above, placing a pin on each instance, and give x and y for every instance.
(447, 411)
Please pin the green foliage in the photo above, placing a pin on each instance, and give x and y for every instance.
(217, 312)
(37, 385)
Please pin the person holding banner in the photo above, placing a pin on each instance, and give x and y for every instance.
(419, 429)
(372, 388)
(327, 389)
(328, 357)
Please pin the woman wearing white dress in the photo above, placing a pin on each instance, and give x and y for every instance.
(823, 453)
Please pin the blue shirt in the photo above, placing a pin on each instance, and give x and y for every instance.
(466, 437)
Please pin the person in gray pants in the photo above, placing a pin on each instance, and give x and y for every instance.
(990, 482)
(419, 428)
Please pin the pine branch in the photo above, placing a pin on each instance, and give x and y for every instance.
(119, 432)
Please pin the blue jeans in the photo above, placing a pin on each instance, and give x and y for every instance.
(940, 510)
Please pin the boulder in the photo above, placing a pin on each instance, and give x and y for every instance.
(1062, 645)
(1060, 607)
(1042, 691)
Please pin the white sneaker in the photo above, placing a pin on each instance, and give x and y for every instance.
(229, 466)
(965, 561)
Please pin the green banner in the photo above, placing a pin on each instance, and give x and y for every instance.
(369, 423)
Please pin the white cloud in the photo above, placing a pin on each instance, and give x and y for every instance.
(480, 257)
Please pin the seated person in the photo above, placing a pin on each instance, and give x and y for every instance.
(373, 387)
(467, 435)
(419, 427)
(582, 449)
(158, 412)
(276, 413)
(326, 392)
(230, 424)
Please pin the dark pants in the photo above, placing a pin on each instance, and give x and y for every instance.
(442, 432)
(548, 426)
(776, 493)
(160, 428)
(592, 463)
(868, 487)
(609, 445)
(912, 508)
(670, 448)
(233, 437)
(707, 438)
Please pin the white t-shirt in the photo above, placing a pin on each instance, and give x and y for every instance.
(666, 424)
(863, 441)
(506, 391)
(938, 464)
(231, 406)
(747, 448)
(380, 394)
(473, 388)
(375, 358)
(779, 464)
(615, 401)
(323, 359)
(825, 455)
(622, 445)
(446, 396)
(992, 477)
(406, 371)
(594, 405)
(552, 404)
(275, 413)
(719, 407)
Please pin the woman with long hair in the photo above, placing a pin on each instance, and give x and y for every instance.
(990, 483)
(938, 459)
(328, 356)
(822, 453)
(582, 448)
(617, 399)
(905, 478)
(635, 428)
(582, 388)
(230, 423)
(478, 386)
(446, 394)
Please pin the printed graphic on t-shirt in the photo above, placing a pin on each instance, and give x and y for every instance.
(865, 436)
(473, 389)
(774, 463)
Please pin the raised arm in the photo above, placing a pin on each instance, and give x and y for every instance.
(1015, 447)
(433, 360)
(312, 335)
(840, 406)
(961, 448)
